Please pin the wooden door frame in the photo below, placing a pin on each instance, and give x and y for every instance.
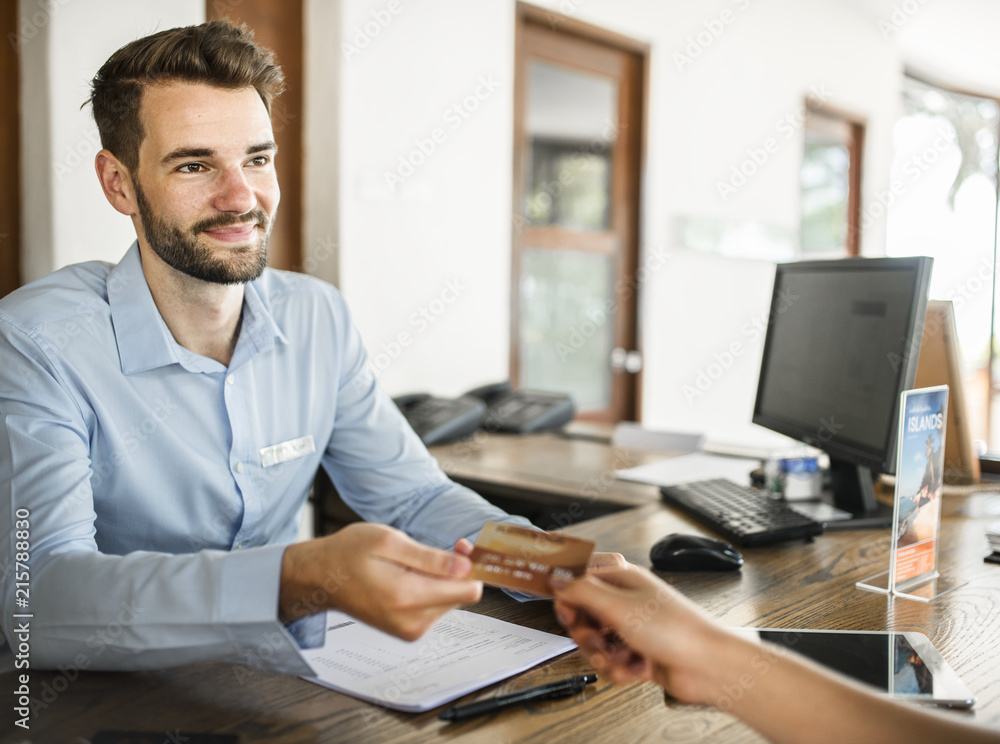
(278, 25)
(857, 125)
(632, 99)
(10, 155)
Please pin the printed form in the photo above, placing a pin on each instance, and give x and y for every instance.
(462, 652)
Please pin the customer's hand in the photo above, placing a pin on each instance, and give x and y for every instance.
(606, 562)
(380, 576)
(632, 626)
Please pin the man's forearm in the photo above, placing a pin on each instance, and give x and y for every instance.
(153, 610)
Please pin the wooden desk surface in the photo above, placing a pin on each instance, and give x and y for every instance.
(795, 585)
(549, 468)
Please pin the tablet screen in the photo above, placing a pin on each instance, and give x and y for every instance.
(904, 664)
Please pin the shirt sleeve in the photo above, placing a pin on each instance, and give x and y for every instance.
(78, 606)
(384, 472)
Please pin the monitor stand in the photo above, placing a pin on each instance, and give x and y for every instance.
(854, 492)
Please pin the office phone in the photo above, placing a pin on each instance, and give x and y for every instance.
(495, 408)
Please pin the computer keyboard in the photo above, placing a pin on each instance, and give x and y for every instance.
(746, 516)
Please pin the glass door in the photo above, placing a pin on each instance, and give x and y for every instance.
(576, 221)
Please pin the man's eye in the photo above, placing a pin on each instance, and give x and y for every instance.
(260, 160)
(191, 168)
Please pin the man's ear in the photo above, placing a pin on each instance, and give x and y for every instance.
(116, 182)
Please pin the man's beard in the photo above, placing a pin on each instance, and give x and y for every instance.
(182, 249)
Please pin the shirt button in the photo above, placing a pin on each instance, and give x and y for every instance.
(239, 467)
(239, 545)
(230, 380)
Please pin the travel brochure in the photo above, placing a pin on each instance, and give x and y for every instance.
(919, 481)
(916, 522)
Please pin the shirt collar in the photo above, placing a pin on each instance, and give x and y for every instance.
(145, 342)
(260, 331)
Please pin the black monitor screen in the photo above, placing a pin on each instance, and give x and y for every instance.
(842, 344)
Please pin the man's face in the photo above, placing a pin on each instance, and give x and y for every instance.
(205, 186)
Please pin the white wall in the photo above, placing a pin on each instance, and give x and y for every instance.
(711, 108)
(425, 262)
(66, 217)
(450, 218)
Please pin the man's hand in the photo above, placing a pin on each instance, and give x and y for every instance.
(378, 575)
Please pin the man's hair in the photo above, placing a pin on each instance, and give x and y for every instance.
(216, 53)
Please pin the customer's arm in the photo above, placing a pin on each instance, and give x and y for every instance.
(632, 626)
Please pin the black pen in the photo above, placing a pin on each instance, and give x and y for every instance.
(559, 689)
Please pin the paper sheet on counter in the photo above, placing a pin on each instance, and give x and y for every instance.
(694, 467)
(462, 652)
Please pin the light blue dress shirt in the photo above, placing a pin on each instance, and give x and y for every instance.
(156, 532)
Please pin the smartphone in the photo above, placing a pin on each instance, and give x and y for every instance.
(904, 664)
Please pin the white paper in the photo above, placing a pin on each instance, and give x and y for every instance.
(694, 467)
(462, 652)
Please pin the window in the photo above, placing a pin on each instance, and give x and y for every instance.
(831, 183)
(944, 204)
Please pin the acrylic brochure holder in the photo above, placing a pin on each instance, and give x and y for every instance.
(916, 520)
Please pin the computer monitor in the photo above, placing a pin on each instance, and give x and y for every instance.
(842, 344)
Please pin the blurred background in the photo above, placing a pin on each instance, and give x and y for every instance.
(580, 195)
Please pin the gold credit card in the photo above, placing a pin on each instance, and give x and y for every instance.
(520, 558)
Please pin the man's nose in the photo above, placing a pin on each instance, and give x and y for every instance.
(235, 194)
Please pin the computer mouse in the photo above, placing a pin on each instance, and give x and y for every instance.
(694, 553)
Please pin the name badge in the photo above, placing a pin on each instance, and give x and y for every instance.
(285, 451)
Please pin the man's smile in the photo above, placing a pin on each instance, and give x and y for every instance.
(233, 233)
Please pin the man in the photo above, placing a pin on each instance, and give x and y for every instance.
(161, 420)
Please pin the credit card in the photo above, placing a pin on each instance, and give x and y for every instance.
(519, 558)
